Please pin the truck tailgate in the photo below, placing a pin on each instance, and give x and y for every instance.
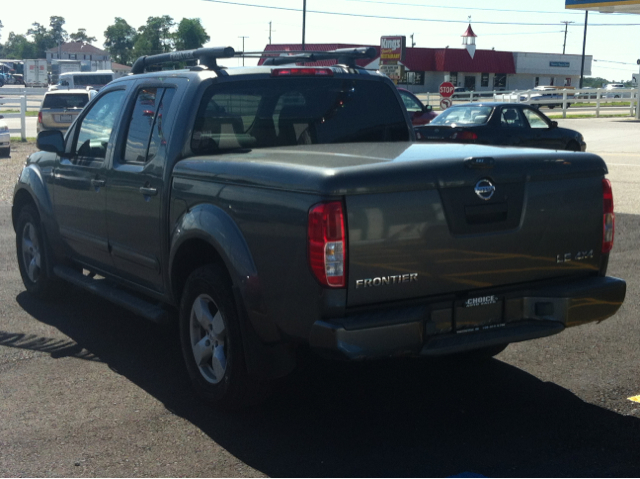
(478, 223)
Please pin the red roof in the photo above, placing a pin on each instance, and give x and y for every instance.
(469, 32)
(422, 59)
(78, 47)
(484, 61)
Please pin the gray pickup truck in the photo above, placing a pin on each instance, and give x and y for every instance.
(277, 208)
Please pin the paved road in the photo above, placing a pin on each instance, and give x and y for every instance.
(87, 389)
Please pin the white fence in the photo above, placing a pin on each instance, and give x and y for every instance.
(581, 101)
(19, 103)
(20, 100)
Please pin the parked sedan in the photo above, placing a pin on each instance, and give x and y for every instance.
(5, 139)
(508, 124)
(59, 108)
(420, 114)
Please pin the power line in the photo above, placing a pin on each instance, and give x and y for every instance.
(411, 19)
(463, 8)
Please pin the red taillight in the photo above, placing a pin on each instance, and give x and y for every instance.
(464, 136)
(609, 217)
(327, 245)
(39, 117)
(282, 72)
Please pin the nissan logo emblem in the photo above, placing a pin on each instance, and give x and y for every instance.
(484, 189)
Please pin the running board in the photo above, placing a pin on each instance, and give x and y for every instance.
(148, 310)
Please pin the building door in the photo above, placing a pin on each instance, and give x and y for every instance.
(470, 83)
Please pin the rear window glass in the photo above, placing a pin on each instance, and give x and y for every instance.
(463, 116)
(65, 100)
(293, 111)
(89, 80)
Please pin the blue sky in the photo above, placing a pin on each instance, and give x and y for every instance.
(507, 26)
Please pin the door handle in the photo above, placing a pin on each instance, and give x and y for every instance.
(146, 191)
(98, 183)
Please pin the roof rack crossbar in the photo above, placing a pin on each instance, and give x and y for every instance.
(346, 56)
(206, 57)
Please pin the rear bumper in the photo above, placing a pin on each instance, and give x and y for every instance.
(449, 327)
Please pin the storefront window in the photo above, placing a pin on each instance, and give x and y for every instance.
(500, 81)
(453, 78)
(537, 82)
(484, 80)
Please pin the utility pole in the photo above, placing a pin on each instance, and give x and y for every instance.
(413, 44)
(242, 48)
(566, 26)
(304, 20)
(270, 32)
(584, 45)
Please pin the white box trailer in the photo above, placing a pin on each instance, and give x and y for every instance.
(35, 73)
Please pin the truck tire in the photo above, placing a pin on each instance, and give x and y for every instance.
(5, 152)
(32, 254)
(211, 340)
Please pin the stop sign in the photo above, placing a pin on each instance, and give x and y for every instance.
(446, 89)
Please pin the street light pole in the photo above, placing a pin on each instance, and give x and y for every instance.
(304, 20)
(584, 46)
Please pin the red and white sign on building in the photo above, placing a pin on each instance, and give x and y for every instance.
(392, 49)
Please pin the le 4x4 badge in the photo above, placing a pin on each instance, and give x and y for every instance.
(579, 256)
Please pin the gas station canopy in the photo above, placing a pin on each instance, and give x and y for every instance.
(605, 6)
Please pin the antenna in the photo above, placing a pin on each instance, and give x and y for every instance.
(243, 37)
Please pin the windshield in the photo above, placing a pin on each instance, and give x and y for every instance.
(293, 111)
(463, 115)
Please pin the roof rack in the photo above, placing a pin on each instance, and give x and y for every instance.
(344, 56)
(206, 57)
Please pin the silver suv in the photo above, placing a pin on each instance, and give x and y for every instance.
(60, 108)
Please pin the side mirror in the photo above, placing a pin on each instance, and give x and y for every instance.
(554, 124)
(427, 109)
(51, 140)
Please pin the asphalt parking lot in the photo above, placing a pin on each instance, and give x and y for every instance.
(88, 389)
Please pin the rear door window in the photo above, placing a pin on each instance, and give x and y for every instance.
(145, 134)
(511, 117)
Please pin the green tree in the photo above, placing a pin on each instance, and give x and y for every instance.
(81, 36)
(154, 37)
(119, 40)
(58, 33)
(42, 40)
(190, 34)
(18, 47)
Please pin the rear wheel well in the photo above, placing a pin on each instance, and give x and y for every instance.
(190, 256)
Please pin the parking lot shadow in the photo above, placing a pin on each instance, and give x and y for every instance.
(391, 418)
